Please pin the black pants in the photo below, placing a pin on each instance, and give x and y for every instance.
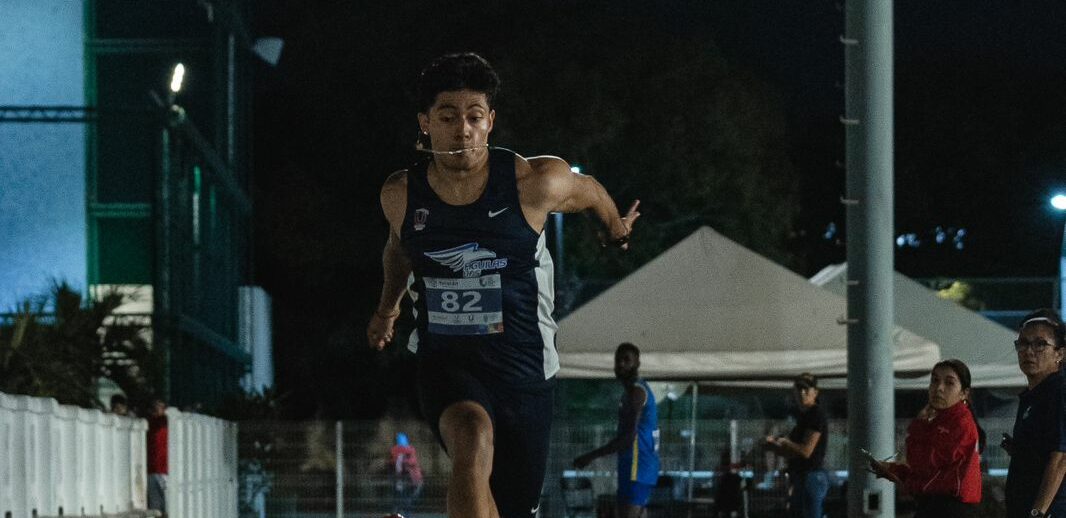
(943, 506)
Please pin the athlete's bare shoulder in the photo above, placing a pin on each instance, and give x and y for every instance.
(636, 397)
(394, 197)
(548, 165)
(544, 180)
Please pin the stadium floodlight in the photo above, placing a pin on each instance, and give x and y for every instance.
(1059, 201)
(177, 78)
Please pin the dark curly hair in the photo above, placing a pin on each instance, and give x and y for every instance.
(626, 347)
(452, 72)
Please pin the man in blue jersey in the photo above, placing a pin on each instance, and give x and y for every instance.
(466, 241)
(637, 440)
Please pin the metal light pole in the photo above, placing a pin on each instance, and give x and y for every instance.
(1059, 203)
(869, 123)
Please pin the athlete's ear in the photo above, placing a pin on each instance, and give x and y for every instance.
(492, 119)
(423, 123)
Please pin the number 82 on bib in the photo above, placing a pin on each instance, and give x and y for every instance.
(470, 306)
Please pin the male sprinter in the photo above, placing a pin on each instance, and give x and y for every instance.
(466, 239)
(637, 441)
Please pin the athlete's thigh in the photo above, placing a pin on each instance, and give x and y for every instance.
(522, 433)
(442, 384)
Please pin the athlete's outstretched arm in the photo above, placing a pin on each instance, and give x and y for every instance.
(637, 398)
(395, 263)
(565, 191)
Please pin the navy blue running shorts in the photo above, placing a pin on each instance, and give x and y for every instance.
(521, 417)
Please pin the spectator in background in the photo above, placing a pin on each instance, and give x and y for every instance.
(157, 456)
(805, 450)
(406, 473)
(1038, 448)
(728, 488)
(942, 469)
(637, 441)
(119, 405)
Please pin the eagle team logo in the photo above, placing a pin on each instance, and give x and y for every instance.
(420, 218)
(468, 259)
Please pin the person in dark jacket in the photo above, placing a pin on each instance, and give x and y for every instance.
(1038, 447)
(943, 465)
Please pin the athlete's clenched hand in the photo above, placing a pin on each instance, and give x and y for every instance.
(379, 331)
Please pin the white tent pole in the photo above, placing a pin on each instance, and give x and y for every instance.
(340, 469)
(692, 440)
(734, 443)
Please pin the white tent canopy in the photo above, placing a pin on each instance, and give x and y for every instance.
(710, 309)
(984, 345)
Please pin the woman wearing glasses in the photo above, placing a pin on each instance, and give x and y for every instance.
(1038, 448)
(942, 470)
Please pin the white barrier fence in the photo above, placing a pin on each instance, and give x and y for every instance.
(64, 460)
(202, 454)
(60, 460)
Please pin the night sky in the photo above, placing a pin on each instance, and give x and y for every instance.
(980, 140)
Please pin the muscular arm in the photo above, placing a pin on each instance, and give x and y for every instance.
(557, 189)
(396, 265)
(630, 418)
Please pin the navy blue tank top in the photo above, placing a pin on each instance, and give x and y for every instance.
(481, 277)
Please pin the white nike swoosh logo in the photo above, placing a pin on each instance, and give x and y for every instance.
(494, 213)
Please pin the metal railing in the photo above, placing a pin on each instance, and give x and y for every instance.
(300, 469)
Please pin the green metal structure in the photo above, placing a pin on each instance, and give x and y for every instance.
(166, 197)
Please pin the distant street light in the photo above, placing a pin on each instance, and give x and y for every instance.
(1059, 202)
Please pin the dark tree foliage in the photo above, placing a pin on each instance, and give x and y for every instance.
(662, 118)
(60, 344)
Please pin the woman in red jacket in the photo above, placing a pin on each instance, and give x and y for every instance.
(942, 470)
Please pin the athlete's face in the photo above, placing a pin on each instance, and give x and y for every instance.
(459, 120)
(945, 389)
(626, 364)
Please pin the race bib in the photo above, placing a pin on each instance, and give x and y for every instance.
(469, 306)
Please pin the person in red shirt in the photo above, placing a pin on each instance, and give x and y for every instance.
(942, 469)
(407, 474)
(157, 456)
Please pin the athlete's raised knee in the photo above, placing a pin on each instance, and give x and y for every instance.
(467, 431)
